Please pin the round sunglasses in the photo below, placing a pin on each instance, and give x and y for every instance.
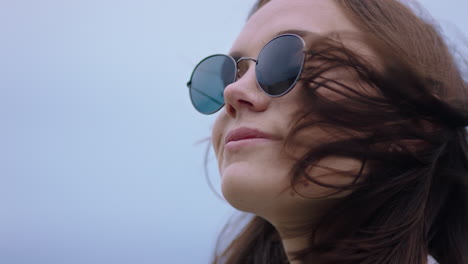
(277, 68)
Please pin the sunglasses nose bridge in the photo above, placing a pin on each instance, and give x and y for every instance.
(240, 71)
(245, 59)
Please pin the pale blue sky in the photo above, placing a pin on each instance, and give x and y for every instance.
(98, 154)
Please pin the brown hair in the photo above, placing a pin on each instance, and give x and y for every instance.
(410, 198)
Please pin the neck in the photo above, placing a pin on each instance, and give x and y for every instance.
(294, 241)
(295, 232)
(292, 245)
(296, 222)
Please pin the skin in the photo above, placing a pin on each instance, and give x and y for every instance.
(255, 174)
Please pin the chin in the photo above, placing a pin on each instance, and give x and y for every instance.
(236, 185)
(251, 188)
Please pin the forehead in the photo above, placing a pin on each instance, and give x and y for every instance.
(316, 16)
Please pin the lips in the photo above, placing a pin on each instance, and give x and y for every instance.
(244, 133)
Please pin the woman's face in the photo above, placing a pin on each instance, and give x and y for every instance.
(250, 131)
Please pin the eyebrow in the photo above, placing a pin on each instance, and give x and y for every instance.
(302, 33)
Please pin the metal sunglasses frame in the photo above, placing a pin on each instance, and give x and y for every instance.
(236, 69)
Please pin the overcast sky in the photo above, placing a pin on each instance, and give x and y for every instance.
(99, 153)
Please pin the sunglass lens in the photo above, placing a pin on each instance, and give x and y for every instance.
(280, 64)
(208, 81)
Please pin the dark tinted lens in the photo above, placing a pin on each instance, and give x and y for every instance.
(208, 81)
(280, 64)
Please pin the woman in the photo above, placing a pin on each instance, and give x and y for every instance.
(343, 132)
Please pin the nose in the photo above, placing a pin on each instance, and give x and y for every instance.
(245, 95)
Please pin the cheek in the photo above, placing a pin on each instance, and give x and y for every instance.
(334, 171)
(331, 170)
(218, 132)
